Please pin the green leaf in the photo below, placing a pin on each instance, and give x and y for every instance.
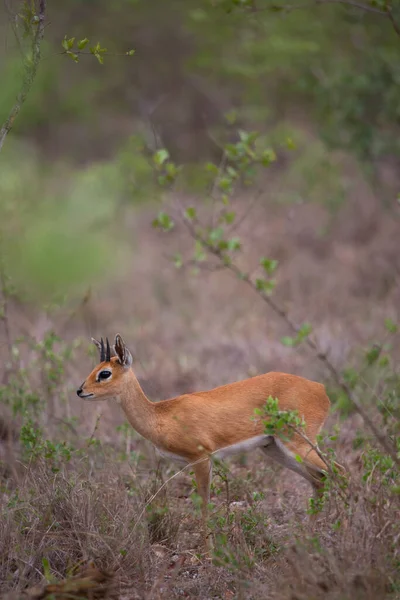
(267, 157)
(298, 458)
(190, 213)
(290, 143)
(178, 262)
(264, 285)
(231, 151)
(131, 52)
(391, 326)
(46, 569)
(163, 221)
(304, 332)
(248, 137)
(384, 361)
(351, 377)
(160, 157)
(172, 171)
(97, 51)
(216, 234)
(99, 57)
(229, 217)
(211, 168)
(269, 265)
(231, 117)
(232, 172)
(260, 284)
(225, 184)
(83, 43)
(234, 244)
(372, 355)
(73, 56)
(288, 341)
(67, 44)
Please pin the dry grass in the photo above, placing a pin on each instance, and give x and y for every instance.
(91, 511)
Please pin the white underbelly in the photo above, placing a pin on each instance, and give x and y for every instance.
(174, 457)
(259, 441)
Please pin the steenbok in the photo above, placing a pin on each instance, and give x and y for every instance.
(195, 428)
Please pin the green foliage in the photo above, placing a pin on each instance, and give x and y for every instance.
(47, 102)
(35, 446)
(63, 240)
(302, 334)
(352, 89)
(282, 423)
(163, 221)
(243, 160)
(24, 395)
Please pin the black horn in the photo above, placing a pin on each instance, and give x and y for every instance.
(108, 353)
(102, 351)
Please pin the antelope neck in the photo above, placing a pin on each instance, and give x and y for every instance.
(138, 409)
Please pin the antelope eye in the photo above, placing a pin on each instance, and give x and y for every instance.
(104, 375)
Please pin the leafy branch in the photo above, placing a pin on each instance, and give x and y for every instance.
(287, 424)
(34, 28)
(33, 24)
(215, 241)
(74, 49)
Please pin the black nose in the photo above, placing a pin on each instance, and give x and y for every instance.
(79, 392)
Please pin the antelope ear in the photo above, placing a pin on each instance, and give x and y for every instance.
(122, 352)
(97, 344)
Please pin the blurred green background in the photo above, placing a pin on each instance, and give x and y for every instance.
(326, 77)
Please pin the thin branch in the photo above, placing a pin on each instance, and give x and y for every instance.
(393, 21)
(380, 436)
(238, 222)
(364, 7)
(83, 53)
(31, 65)
(292, 7)
(358, 5)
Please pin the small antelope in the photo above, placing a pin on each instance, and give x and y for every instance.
(194, 428)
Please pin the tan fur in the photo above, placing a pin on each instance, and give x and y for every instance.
(194, 426)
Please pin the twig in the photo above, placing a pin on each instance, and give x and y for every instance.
(83, 53)
(364, 7)
(237, 223)
(393, 21)
(31, 65)
(291, 7)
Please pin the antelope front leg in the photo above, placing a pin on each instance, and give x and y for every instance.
(202, 472)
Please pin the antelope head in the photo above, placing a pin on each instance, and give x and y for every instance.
(108, 377)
